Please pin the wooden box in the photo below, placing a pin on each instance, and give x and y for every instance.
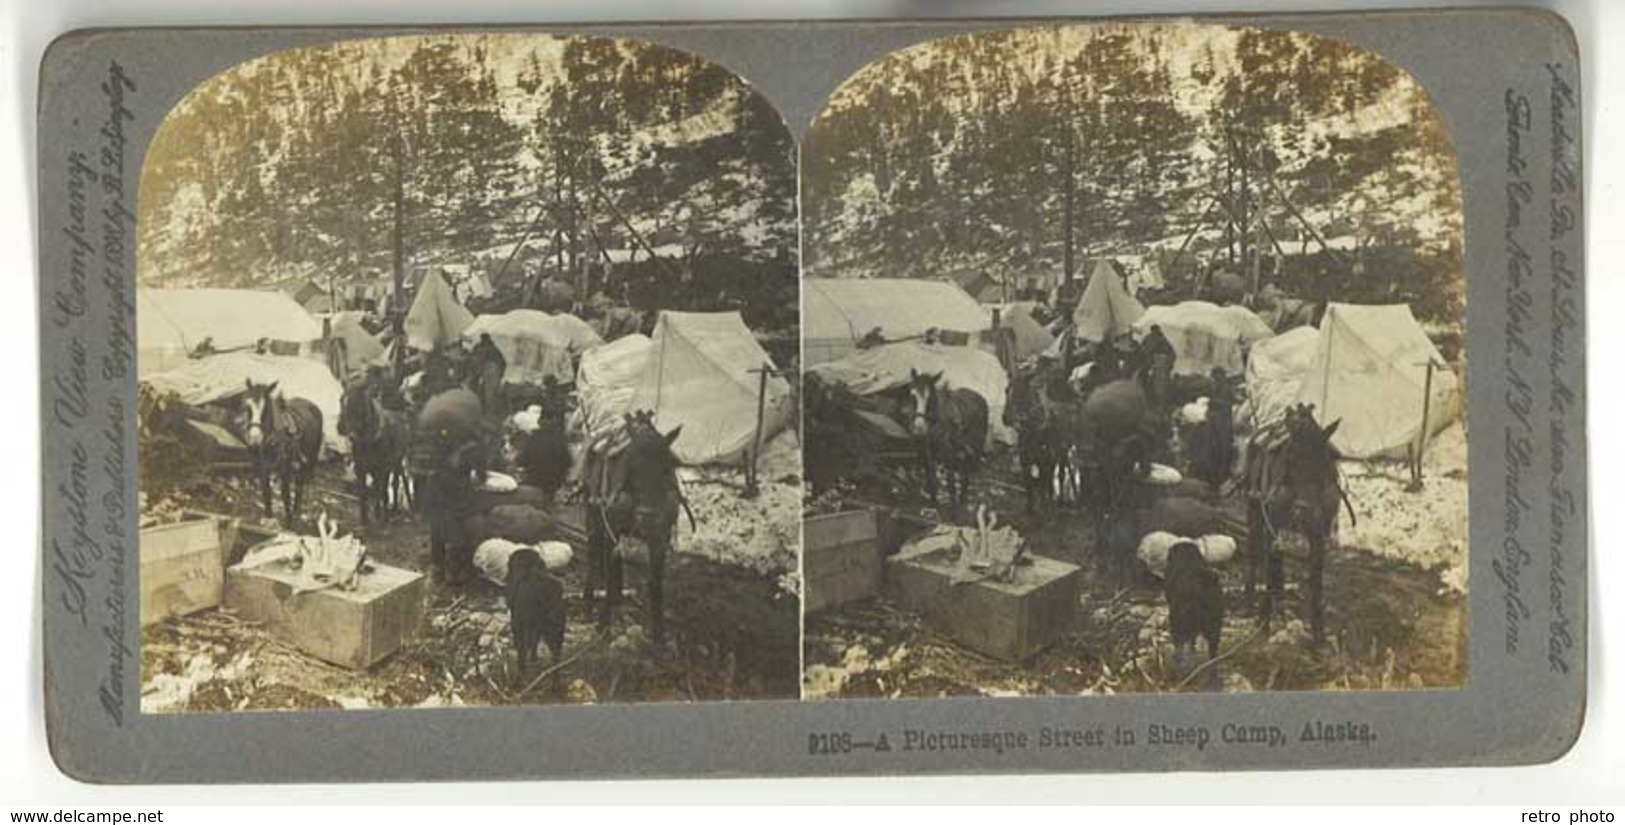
(182, 570)
(353, 628)
(840, 558)
(1009, 621)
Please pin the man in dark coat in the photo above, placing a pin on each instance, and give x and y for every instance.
(488, 366)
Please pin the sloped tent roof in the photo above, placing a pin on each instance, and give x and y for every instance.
(170, 323)
(535, 344)
(1031, 337)
(218, 377)
(361, 348)
(1206, 335)
(836, 313)
(1275, 370)
(435, 319)
(887, 367)
(608, 380)
(1368, 371)
(700, 374)
(1105, 310)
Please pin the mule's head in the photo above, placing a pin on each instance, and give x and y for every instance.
(255, 412)
(358, 414)
(1310, 455)
(649, 456)
(922, 390)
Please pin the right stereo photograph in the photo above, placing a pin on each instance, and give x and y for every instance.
(1132, 362)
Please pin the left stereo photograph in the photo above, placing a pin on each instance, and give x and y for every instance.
(467, 370)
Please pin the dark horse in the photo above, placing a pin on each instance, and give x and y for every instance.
(1290, 474)
(284, 437)
(379, 438)
(950, 426)
(1040, 408)
(633, 492)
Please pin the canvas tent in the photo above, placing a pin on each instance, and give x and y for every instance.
(607, 382)
(1106, 309)
(1368, 371)
(172, 323)
(1275, 370)
(838, 312)
(218, 377)
(535, 345)
(698, 371)
(888, 367)
(359, 349)
(436, 318)
(1205, 335)
(1030, 337)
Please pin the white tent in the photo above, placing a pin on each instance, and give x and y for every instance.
(836, 313)
(1205, 335)
(1275, 370)
(1368, 371)
(699, 371)
(1106, 309)
(535, 344)
(607, 382)
(172, 323)
(888, 367)
(1031, 338)
(361, 348)
(436, 318)
(218, 377)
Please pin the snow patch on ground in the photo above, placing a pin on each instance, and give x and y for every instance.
(1427, 528)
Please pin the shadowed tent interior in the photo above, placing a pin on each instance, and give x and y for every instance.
(172, 323)
(836, 313)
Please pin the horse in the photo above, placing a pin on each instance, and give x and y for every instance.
(379, 438)
(1039, 407)
(950, 424)
(284, 437)
(634, 492)
(1289, 473)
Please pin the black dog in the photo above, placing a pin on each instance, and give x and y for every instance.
(1195, 600)
(535, 608)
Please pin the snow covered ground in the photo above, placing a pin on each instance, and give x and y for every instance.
(1427, 528)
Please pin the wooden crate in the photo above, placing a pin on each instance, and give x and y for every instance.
(353, 628)
(1009, 621)
(840, 558)
(182, 571)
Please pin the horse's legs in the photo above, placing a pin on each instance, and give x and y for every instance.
(598, 551)
(657, 590)
(614, 574)
(1317, 569)
(362, 489)
(1255, 542)
(263, 471)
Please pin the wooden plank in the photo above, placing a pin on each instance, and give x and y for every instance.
(181, 569)
(841, 558)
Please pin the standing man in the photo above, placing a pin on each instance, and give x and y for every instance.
(489, 366)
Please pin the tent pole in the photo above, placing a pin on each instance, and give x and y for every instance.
(752, 483)
(1422, 432)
